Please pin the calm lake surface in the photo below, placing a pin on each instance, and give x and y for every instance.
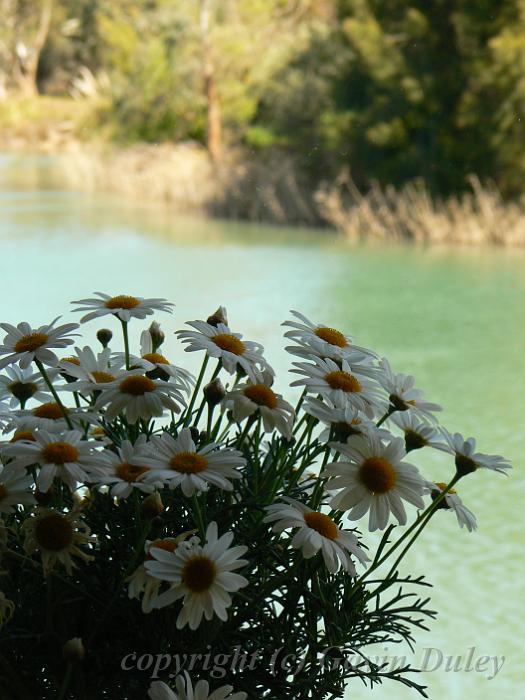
(454, 318)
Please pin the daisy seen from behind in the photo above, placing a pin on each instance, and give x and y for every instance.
(18, 385)
(202, 575)
(316, 532)
(178, 462)
(374, 480)
(467, 459)
(403, 395)
(453, 502)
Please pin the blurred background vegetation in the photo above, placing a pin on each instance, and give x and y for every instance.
(388, 91)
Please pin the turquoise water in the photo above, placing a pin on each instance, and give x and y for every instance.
(454, 318)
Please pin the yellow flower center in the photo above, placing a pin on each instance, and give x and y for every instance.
(31, 342)
(23, 435)
(23, 390)
(53, 532)
(98, 432)
(122, 301)
(262, 395)
(332, 336)
(155, 358)
(48, 410)
(59, 453)
(188, 463)
(322, 524)
(102, 377)
(129, 472)
(137, 386)
(72, 360)
(3, 491)
(344, 381)
(228, 342)
(377, 474)
(166, 545)
(442, 486)
(198, 574)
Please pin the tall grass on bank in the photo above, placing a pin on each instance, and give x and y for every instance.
(480, 216)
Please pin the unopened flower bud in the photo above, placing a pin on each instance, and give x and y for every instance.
(73, 649)
(152, 505)
(157, 336)
(214, 392)
(219, 316)
(104, 335)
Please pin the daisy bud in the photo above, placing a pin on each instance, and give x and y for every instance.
(104, 335)
(220, 316)
(73, 650)
(214, 392)
(157, 336)
(152, 505)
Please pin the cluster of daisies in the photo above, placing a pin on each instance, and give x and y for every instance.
(133, 424)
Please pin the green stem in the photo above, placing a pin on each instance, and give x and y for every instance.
(124, 325)
(66, 681)
(391, 410)
(52, 389)
(187, 419)
(198, 517)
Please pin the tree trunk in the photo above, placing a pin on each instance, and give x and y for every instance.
(213, 122)
(27, 67)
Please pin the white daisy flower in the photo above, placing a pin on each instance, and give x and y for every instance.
(123, 306)
(157, 366)
(15, 489)
(177, 462)
(57, 537)
(250, 398)
(88, 368)
(48, 416)
(467, 459)
(323, 341)
(339, 383)
(19, 385)
(24, 344)
(122, 469)
(402, 393)
(220, 342)
(141, 583)
(138, 396)
(344, 422)
(417, 433)
(452, 501)
(185, 691)
(66, 456)
(201, 575)
(317, 532)
(374, 479)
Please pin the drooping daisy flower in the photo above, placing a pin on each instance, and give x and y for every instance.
(374, 479)
(417, 433)
(157, 366)
(185, 691)
(342, 422)
(339, 383)
(201, 575)
(402, 393)
(24, 344)
(123, 471)
(467, 459)
(15, 489)
(65, 455)
(316, 532)
(220, 342)
(57, 537)
(19, 385)
(177, 462)
(138, 396)
(452, 501)
(323, 341)
(123, 306)
(141, 582)
(250, 398)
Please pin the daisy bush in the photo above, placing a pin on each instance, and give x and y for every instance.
(171, 536)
